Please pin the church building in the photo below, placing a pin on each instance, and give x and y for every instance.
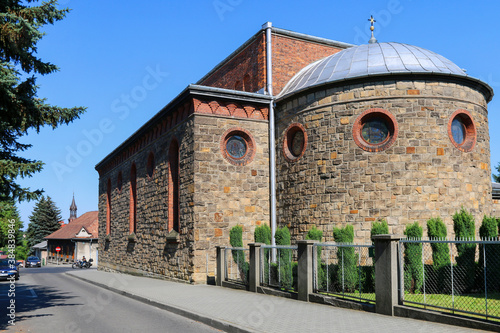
(326, 133)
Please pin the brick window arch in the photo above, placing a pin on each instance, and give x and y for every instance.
(375, 130)
(462, 130)
(173, 186)
(295, 142)
(133, 199)
(246, 83)
(108, 208)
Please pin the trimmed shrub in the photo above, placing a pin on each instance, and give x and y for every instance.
(489, 230)
(436, 229)
(347, 258)
(236, 240)
(262, 234)
(317, 234)
(463, 225)
(413, 272)
(282, 237)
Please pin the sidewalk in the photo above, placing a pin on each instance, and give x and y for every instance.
(242, 311)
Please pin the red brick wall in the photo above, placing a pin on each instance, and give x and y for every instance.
(247, 70)
(250, 61)
(290, 55)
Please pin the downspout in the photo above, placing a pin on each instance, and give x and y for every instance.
(272, 146)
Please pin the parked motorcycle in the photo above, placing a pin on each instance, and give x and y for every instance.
(82, 264)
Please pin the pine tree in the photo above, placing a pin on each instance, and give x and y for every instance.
(43, 221)
(20, 107)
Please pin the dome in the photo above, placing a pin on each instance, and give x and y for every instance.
(378, 59)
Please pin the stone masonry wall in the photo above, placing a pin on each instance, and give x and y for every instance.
(150, 253)
(422, 175)
(226, 195)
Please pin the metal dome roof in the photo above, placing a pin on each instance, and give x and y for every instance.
(378, 59)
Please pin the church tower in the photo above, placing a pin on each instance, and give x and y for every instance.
(72, 210)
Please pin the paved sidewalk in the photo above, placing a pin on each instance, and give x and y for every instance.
(242, 311)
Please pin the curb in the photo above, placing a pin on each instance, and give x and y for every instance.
(212, 322)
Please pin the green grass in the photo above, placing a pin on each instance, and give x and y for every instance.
(470, 303)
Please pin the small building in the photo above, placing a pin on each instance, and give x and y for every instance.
(41, 251)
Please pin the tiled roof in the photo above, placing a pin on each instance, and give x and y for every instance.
(88, 221)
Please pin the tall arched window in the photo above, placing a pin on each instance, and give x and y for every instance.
(133, 198)
(173, 186)
(108, 208)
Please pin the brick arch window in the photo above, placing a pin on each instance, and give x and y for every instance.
(246, 83)
(173, 186)
(108, 208)
(133, 199)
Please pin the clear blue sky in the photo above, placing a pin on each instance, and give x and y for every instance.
(107, 50)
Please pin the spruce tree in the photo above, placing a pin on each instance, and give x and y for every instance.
(21, 109)
(43, 221)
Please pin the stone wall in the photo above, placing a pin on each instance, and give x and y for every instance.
(226, 195)
(422, 175)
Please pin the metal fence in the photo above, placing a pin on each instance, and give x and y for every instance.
(456, 276)
(282, 272)
(345, 270)
(236, 262)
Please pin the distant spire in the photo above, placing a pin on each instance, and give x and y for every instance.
(72, 209)
(372, 40)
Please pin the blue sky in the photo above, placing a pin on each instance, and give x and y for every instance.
(125, 60)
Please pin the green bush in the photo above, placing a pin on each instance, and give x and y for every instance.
(347, 258)
(236, 240)
(413, 272)
(262, 234)
(282, 237)
(463, 225)
(489, 230)
(317, 234)
(436, 229)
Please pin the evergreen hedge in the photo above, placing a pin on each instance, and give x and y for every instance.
(436, 229)
(282, 237)
(317, 234)
(348, 277)
(262, 234)
(413, 272)
(236, 240)
(489, 230)
(463, 225)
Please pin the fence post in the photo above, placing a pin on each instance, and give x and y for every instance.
(254, 273)
(305, 268)
(221, 268)
(386, 273)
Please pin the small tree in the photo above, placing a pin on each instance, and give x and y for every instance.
(489, 230)
(236, 240)
(282, 237)
(317, 234)
(413, 272)
(436, 229)
(348, 259)
(464, 227)
(262, 234)
(10, 223)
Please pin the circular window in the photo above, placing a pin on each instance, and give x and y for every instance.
(237, 146)
(295, 142)
(375, 130)
(462, 131)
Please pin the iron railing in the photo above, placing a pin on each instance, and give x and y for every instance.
(455, 276)
(344, 270)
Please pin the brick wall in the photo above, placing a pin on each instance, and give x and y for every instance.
(422, 175)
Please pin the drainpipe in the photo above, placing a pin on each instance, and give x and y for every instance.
(272, 146)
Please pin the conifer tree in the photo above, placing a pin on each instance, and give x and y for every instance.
(21, 109)
(10, 223)
(43, 221)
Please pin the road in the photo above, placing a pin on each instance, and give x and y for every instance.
(46, 300)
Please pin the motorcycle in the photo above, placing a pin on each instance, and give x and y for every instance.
(82, 264)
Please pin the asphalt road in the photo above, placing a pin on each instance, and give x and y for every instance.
(48, 301)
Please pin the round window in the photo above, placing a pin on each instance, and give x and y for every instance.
(462, 131)
(295, 142)
(375, 130)
(237, 146)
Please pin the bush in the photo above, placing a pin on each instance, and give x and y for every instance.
(282, 237)
(489, 230)
(463, 225)
(347, 257)
(317, 234)
(413, 272)
(236, 240)
(262, 234)
(436, 229)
